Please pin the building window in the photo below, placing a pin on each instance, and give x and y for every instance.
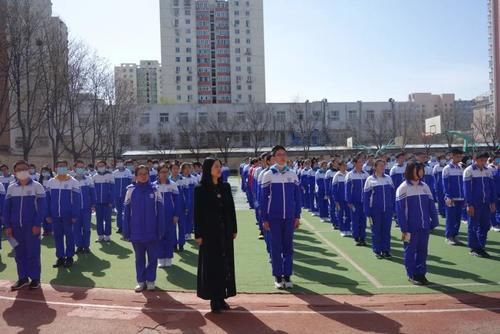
(203, 117)
(164, 118)
(353, 115)
(370, 115)
(144, 119)
(183, 118)
(177, 59)
(334, 115)
(188, 59)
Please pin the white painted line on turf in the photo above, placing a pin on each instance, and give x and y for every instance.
(363, 272)
(284, 312)
(441, 285)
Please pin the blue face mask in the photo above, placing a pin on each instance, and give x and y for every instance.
(497, 161)
(46, 174)
(80, 171)
(62, 170)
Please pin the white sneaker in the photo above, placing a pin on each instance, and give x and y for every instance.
(450, 241)
(150, 286)
(168, 262)
(343, 234)
(100, 238)
(495, 229)
(161, 263)
(348, 234)
(187, 236)
(288, 285)
(315, 214)
(107, 238)
(140, 287)
(279, 285)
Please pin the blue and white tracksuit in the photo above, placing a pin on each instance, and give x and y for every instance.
(123, 178)
(25, 207)
(453, 189)
(480, 193)
(311, 177)
(226, 172)
(144, 225)
(379, 201)
(281, 207)
(332, 209)
(153, 175)
(368, 168)
(417, 215)
(495, 219)
(65, 206)
(437, 172)
(397, 174)
(429, 179)
(355, 183)
(188, 184)
(255, 192)
(171, 205)
(81, 228)
(338, 194)
(104, 184)
(266, 234)
(7, 180)
(246, 185)
(306, 189)
(321, 197)
(180, 233)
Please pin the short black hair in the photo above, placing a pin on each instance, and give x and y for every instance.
(20, 162)
(138, 168)
(400, 154)
(277, 148)
(484, 155)
(410, 169)
(457, 151)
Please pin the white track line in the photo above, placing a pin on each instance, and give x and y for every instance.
(363, 272)
(284, 312)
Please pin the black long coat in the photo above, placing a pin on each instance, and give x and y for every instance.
(215, 222)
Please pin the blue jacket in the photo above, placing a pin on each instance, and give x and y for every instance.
(354, 187)
(123, 178)
(144, 215)
(397, 174)
(319, 179)
(479, 185)
(153, 175)
(171, 199)
(187, 190)
(103, 185)
(330, 173)
(415, 208)
(244, 178)
(280, 197)
(429, 179)
(304, 179)
(338, 187)
(87, 192)
(7, 180)
(453, 182)
(496, 176)
(2, 198)
(226, 172)
(379, 195)
(24, 206)
(65, 198)
(437, 171)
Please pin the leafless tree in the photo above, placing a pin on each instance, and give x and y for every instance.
(303, 124)
(484, 129)
(192, 135)
(221, 131)
(379, 129)
(256, 124)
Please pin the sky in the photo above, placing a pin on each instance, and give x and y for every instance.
(341, 50)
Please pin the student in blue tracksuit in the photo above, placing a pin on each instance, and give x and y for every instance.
(398, 170)
(144, 225)
(368, 166)
(45, 175)
(355, 183)
(189, 185)
(453, 196)
(266, 235)
(322, 198)
(304, 185)
(428, 176)
(6, 178)
(437, 172)
(82, 226)
(64, 211)
(332, 209)
(23, 213)
(244, 173)
(153, 169)
(495, 219)
(281, 215)
(123, 178)
(104, 183)
(379, 200)
(338, 195)
(170, 196)
(313, 195)
(180, 233)
(417, 216)
(256, 191)
(226, 172)
(248, 188)
(480, 198)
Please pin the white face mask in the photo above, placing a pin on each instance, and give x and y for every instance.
(23, 175)
(155, 166)
(101, 169)
(119, 165)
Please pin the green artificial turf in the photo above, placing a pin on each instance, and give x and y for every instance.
(318, 268)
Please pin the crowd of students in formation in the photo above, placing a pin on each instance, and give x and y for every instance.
(153, 204)
(411, 189)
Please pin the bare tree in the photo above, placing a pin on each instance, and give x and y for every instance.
(221, 131)
(25, 76)
(256, 123)
(484, 129)
(192, 135)
(379, 129)
(303, 123)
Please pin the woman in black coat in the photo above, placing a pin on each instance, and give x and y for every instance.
(215, 229)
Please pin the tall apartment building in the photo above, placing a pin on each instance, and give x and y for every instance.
(141, 81)
(212, 51)
(494, 49)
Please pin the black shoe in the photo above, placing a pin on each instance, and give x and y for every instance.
(86, 250)
(68, 262)
(476, 252)
(261, 237)
(358, 242)
(386, 255)
(379, 256)
(181, 249)
(20, 284)
(59, 263)
(335, 227)
(215, 306)
(35, 284)
(485, 254)
(424, 280)
(363, 243)
(415, 281)
(119, 231)
(176, 249)
(79, 250)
